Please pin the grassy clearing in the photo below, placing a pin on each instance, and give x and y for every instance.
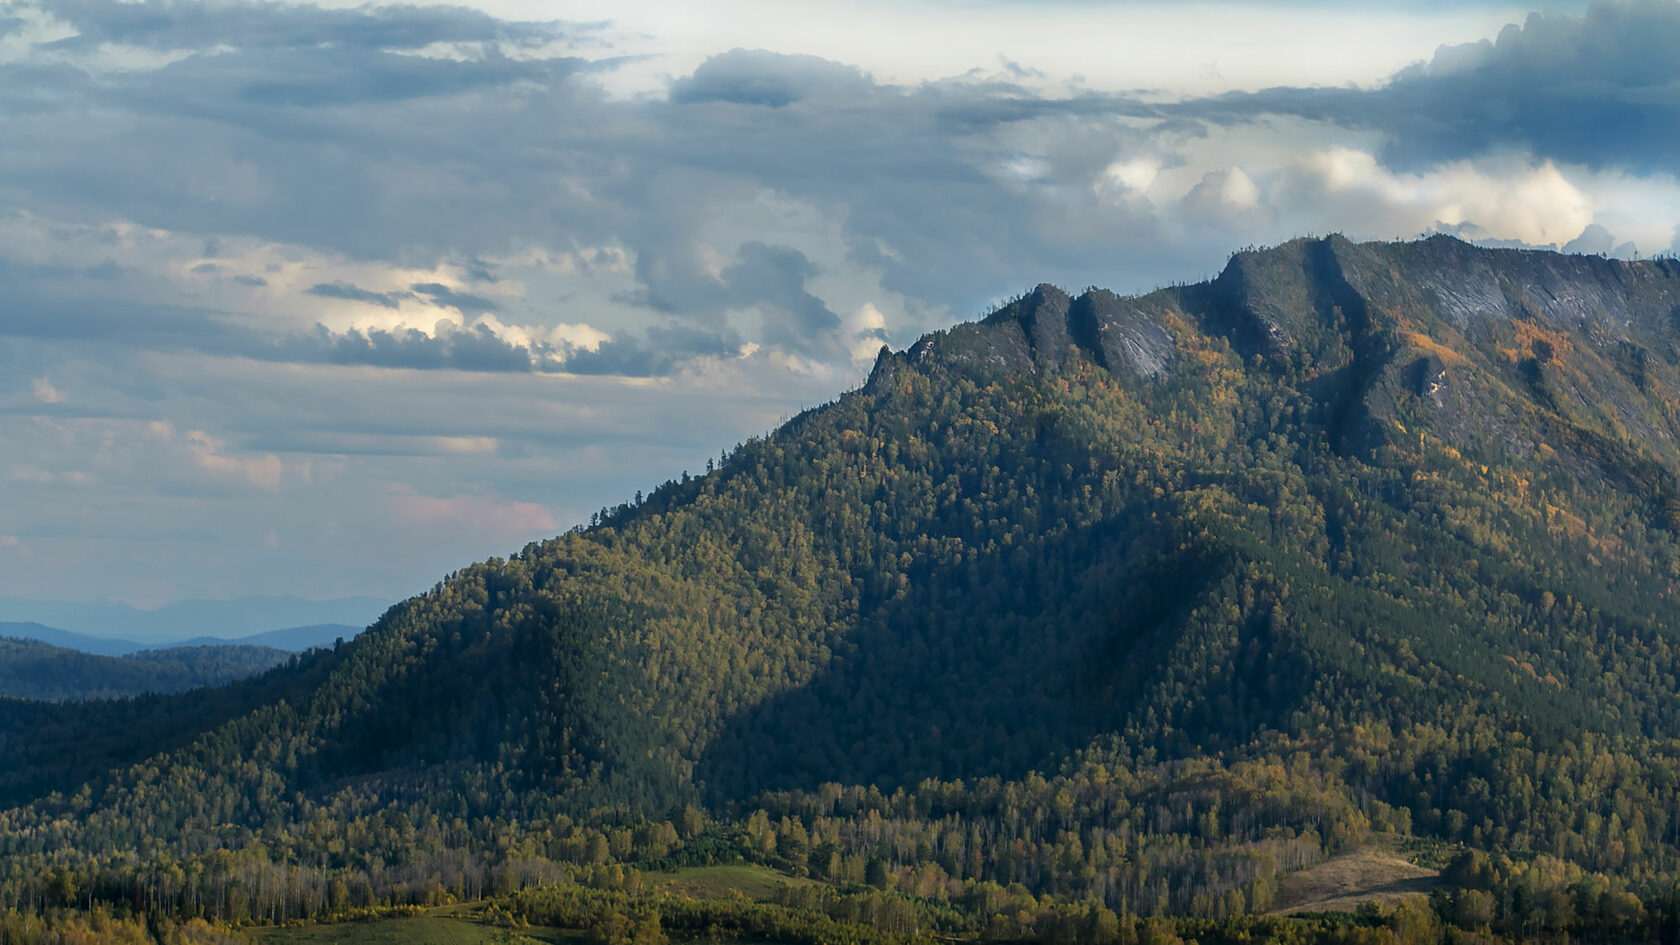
(409, 930)
(1340, 884)
(453, 925)
(712, 882)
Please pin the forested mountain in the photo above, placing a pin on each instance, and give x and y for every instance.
(1131, 602)
(31, 669)
(291, 639)
(66, 640)
(175, 623)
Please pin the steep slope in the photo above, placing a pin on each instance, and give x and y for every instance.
(1353, 537)
(31, 669)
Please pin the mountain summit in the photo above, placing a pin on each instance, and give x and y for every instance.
(1353, 538)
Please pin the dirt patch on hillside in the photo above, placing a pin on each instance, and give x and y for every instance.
(1341, 883)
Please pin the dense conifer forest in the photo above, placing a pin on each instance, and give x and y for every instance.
(1091, 622)
(31, 669)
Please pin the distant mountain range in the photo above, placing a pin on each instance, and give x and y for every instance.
(30, 669)
(197, 620)
(290, 639)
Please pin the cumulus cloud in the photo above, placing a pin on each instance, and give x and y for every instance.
(759, 77)
(1535, 204)
(474, 348)
(763, 195)
(1223, 197)
(773, 279)
(664, 350)
(1599, 90)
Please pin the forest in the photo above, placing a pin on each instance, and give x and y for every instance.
(1089, 622)
(31, 669)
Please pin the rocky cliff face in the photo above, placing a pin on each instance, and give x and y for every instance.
(1493, 351)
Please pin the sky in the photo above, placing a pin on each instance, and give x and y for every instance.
(330, 300)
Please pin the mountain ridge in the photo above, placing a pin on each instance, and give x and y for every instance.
(192, 618)
(1630, 308)
(1385, 530)
(290, 639)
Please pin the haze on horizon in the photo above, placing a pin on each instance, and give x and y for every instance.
(331, 300)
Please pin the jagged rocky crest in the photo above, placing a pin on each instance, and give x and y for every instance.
(1377, 327)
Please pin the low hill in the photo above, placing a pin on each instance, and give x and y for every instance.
(64, 639)
(31, 669)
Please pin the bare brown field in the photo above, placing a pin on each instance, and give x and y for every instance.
(1340, 884)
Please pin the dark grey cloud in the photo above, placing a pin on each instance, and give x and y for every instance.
(348, 292)
(662, 351)
(53, 303)
(773, 278)
(774, 80)
(323, 76)
(167, 26)
(464, 302)
(474, 348)
(1601, 89)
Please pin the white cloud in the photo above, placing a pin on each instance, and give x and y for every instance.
(579, 336)
(1123, 45)
(867, 327)
(262, 471)
(1504, 198)
(1226, 195)
(43, 391)
(1125, 178)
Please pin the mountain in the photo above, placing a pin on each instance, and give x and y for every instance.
(31, 669)
(1140, 602)
(291, 639)
(64, 639)
(190, 619)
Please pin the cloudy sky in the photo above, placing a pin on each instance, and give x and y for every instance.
(331, 299)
